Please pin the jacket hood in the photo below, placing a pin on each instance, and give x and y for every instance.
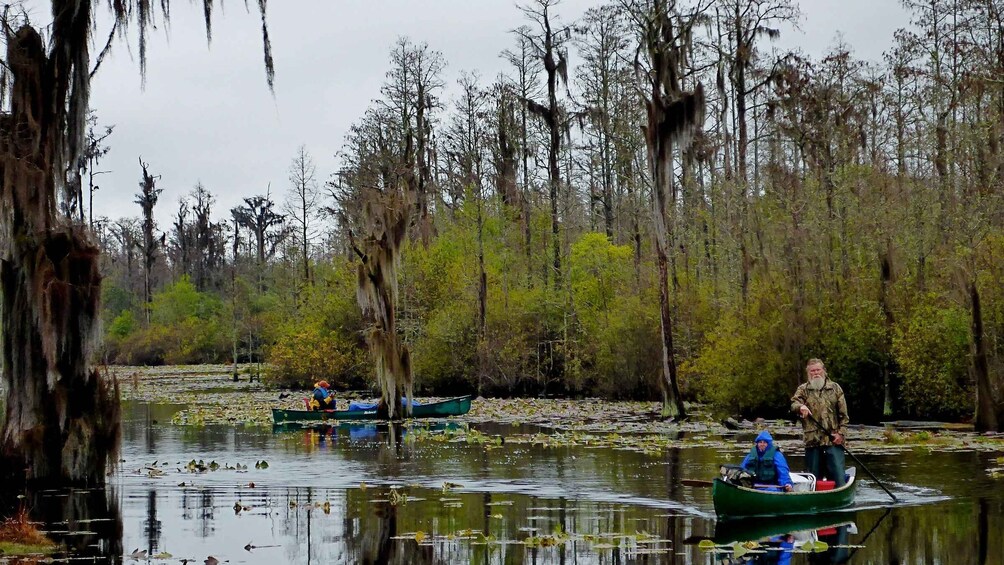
(765, 436)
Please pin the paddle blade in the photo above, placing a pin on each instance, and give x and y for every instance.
(696, 483)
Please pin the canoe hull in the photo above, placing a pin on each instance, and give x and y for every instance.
(733, 502)
(452, 407)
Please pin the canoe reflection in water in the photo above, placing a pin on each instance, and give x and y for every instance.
(779, 549)
(775, 541)
(320, 436)
(778, 539)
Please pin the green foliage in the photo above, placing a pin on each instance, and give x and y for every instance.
(617, 348)
(598, 334)
(527, 352)
(599, 271)
(628, 350)
(932, 348)
(323, 339)
(737, 370)
(854, 344)
(115, 300)
(445, 354)
(180, 302)
(122, 325)
(147, 346)
(186, 326)
(308, 354)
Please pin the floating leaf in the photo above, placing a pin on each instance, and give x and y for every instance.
(419, 536)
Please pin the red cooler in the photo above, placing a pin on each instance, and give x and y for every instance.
(824, 485)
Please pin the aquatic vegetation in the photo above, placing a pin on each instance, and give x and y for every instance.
(997, 472)
(20, 536)
(208, 395)
(557, 537)
(740, 549)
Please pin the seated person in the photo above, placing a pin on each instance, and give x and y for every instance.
(767, 463)
(323, 398)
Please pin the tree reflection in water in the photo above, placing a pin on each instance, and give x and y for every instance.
(324, 499)
(88, 522)
(379, 546)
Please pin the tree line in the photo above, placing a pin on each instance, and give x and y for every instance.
(569, 234)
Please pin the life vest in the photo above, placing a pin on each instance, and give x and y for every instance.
(763, 465)
(322, 399)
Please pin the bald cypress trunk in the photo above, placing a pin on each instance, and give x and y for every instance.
(673, 117)
(989, 408)
(386, 217)
(62, 417)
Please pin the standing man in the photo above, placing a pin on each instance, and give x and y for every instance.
(820, 404)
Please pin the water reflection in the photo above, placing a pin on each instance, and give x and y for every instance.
(152, 526)
(781, 549)
(86, 522)
(362, 493)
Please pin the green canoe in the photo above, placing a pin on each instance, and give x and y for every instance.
(452, 407)
(733, 501)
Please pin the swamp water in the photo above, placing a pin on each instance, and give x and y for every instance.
(364, 493)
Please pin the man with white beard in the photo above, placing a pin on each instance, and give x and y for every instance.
(820, 404)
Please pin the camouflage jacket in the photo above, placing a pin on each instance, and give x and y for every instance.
(828, 407)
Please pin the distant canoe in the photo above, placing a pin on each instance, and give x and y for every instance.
(452, 407)
(733, 501)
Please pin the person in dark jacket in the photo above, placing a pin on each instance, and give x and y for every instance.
(322, 399)
(768, 463)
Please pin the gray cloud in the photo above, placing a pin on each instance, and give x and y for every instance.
(207, 116)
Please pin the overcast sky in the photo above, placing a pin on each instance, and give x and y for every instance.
(206, 114)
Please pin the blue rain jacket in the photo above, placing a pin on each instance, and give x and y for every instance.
(768, 465)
